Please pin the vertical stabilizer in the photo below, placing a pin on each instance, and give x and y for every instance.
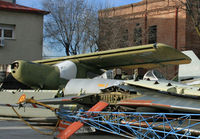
(192, 70)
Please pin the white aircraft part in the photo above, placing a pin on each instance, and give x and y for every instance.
(89, 86)
(68, 69)
(153, 75)
(191, 70)
(167, 86)
(109, 74)
(194, 83)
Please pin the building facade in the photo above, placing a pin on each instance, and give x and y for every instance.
(21, 33)
(148, 22)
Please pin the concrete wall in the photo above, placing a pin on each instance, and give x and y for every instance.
(28, 37)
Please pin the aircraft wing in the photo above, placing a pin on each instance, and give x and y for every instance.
(148, 98)
(147, 56)
(40, 74)
(52, 101)
(65, 100)
(23, 105)
(157, 100)
(168, 86)
(9, 105)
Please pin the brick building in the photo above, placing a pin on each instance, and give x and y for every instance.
(146, 22)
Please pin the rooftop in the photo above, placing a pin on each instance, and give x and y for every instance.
(8, 6)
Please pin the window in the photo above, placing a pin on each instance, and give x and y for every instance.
(7, 31)
(137, 24)
(124, 38)
(137, 36)
(125, 35)
(152, 34)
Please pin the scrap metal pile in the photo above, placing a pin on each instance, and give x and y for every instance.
(140, 125)
(122, 101)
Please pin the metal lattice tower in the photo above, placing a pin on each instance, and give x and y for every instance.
(140, 125)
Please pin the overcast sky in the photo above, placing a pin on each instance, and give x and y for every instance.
(38, 4)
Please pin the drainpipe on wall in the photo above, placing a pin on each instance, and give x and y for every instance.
(176, 38)
(176, 29)
(145, 24)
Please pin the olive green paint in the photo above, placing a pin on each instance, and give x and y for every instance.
(38, 75)
(45, 76)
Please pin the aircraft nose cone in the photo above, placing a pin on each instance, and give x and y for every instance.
(14, 66)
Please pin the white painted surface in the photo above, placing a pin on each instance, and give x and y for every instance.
(191, 70)
(89, 86)
(68, 69)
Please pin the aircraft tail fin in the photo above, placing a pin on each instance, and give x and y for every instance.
(192, 70)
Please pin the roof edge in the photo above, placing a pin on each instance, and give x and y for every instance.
(8, 6)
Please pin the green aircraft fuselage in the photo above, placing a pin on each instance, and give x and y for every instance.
(54, 73)
(44, 76)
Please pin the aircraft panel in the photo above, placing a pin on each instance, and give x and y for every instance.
(148, 56)
(150, 98)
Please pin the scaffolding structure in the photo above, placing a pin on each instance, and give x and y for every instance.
(140, 125)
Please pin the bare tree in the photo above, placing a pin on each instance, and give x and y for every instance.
(192, 7)
(114, 31)
(72, 24)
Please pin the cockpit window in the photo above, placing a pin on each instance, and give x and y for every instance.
(149, 74)
(153, 75)
(158, 74)
(15, 65)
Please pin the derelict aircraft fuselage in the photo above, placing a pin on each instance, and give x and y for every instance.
(55, 73)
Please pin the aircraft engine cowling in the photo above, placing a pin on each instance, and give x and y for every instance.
(39, 76)
(68, 69)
